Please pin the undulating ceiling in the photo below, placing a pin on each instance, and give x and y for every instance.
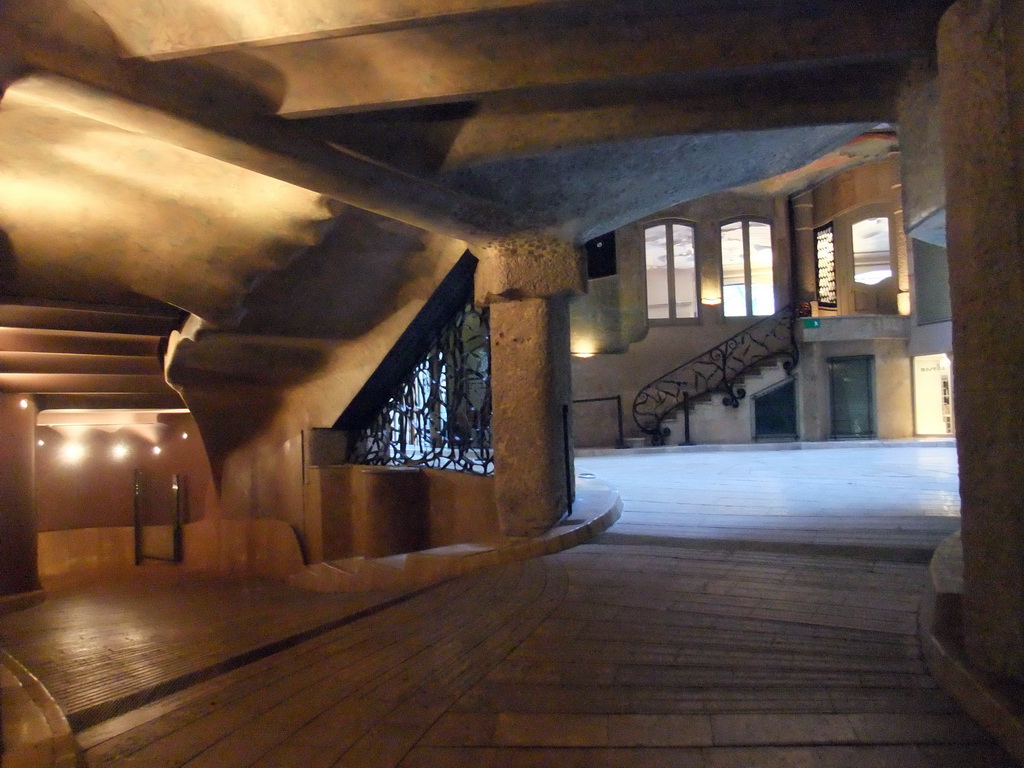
(164, 159)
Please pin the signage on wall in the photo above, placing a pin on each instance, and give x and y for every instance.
(812, 322)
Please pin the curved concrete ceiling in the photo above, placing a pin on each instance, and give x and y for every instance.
(194, 153)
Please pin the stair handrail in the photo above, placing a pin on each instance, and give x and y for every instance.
(717, 370)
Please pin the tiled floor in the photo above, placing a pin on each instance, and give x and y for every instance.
(752, 610)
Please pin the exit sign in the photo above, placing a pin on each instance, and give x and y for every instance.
(812, 322)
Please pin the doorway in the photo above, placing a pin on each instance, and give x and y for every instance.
(775, 412)
(851, 385)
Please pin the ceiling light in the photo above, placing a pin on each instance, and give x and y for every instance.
(156, 450)
(23, 403)
(40, 443)
(184, 435)
(119, 451)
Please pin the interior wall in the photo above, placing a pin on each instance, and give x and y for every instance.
(362, 509)
(671, 344)
(892, 387)
(98, 490)
(254, 432)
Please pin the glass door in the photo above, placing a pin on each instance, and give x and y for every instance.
(851, 382)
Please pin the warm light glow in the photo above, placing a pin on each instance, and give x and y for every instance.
(72, 453)
(584, 346)
(711, 301)
(903, 303)
(119, 451)
(40, 443)
(23, 403)
(184, 435)
(156, 450)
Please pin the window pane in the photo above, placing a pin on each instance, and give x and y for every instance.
(685, 272)
(762, 281)
(871, 260)
(656, 249)
(734, 284)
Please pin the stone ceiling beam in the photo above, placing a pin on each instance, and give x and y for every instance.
(64, 363)
(79, 343)
(70, 383)
(472, 59)
(160, 30)
(850, 95)
(279, 150)
(168, 400)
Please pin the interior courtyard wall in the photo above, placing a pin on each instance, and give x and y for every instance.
(669, 344)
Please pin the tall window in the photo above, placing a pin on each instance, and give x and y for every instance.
(748, 281)
(671, 271)
(872, 261)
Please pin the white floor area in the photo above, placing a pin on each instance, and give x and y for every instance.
(901, 496)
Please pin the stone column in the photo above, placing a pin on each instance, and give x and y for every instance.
(981, 77)
(805, 264)
(527, 281)
(19, 570)
(902, 253)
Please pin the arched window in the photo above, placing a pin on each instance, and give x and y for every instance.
(671, 271)
(748, 278)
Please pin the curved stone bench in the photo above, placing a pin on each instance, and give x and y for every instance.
(596, 508)
(35, 732)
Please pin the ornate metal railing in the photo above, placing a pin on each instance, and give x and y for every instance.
(717, 371)
(440, 415)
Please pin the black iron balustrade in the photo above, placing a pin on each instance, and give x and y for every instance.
(440, 415)
(717, 370)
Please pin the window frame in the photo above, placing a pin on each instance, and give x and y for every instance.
(746, 221)
(842, 224)
(670, 282)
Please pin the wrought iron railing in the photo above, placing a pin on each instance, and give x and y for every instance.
(717, 371)
(440, 415)
(617, 399)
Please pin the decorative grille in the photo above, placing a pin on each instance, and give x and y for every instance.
(825, 249)
(440, 415)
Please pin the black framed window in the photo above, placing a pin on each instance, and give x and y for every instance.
(825, 256)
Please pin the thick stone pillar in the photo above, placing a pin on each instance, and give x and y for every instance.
(981, 77)
(527, 280)
(18, 572)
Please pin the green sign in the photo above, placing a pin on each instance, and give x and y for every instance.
(812, 322)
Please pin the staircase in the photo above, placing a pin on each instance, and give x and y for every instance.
(85, 357)
(718, 371)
